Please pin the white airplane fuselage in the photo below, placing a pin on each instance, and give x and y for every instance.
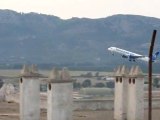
(127, 54)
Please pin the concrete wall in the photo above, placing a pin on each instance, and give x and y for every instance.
(60, 101)
(93, 104)
(120, 108)
(29, 99)
(86, 104)
(135, 99)
(106, 104)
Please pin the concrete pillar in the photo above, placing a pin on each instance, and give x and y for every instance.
(29, 94)
(120, 99)
(60, 99)
(135, 94)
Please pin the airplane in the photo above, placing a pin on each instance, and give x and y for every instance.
(133, 56)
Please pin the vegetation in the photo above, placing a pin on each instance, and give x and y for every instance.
(88, 74)
(99, 85)
(78, 43)
(76, 85)
(86, 83)
(110, 84)
(156, 82)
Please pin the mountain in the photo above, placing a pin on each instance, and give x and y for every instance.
(42, 39)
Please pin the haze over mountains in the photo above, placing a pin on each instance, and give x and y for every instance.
(39, 38)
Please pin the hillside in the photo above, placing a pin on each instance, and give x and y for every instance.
(39, 38)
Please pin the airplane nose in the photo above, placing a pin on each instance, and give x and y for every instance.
(109, 49)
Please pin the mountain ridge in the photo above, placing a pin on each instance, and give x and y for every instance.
(39, 38)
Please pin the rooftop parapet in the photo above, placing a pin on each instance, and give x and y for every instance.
(25, 70)
(34, 68)
(132, 71)
(54, 75)
(63, 77)
(29, 71)
(121, 71)
(117, 71)
(124, 71)
(136, 71)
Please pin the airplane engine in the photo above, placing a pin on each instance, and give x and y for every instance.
(132, 58)
(123, 56)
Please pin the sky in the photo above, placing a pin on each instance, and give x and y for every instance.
(66, 9)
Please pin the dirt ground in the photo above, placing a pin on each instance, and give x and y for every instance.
(10, 111)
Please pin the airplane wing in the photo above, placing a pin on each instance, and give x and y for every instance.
(135, 57)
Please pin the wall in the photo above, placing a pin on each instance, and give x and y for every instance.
(106, 104)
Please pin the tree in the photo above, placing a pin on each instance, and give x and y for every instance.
(76, 85)
(156, 82)
(110, 84)
(100, 85)
(86, 83)
(89, 74)
(97, 74)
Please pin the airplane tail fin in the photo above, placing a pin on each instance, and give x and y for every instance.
(155, 55)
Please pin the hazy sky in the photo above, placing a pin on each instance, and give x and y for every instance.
(85, 8)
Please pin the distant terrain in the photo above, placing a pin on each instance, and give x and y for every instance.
(10, 111)
(77, 42)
